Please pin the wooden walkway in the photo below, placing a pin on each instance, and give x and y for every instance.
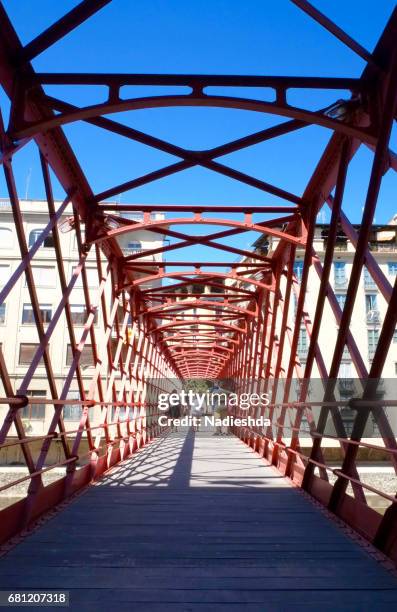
(194, 522)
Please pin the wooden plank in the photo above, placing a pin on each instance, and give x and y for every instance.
(191, 522)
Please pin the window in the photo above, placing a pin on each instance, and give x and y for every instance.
(35, 235)
(134, 245)
(78, 313)
(298, 269)
(392, 268)
(122, 415)
(341, 299)
(295, 301)
(302, 343)
(340, 243)
(4, 275)
(370, 302)
(371, 308)
(92, 278)
(345, 370)
(373, 337)
(86, 358)
(6, 238)
(346, 384)
(34, 412)
(27, 352)
(72, 412)
(2, 313)
(348, 417)
(340, 273)
(43, 276)
(28, 315)
(369, 282)
(346, 353)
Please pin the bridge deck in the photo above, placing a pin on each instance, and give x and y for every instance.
(194, 522)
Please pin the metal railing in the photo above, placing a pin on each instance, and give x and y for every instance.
(373, 317)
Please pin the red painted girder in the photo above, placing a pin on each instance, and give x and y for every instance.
(247, 226)
(371, 264)
(201, 335)
(260, 106)
(192, 354)
(335, 30)
(196, 80)
(198, 347)
(204, 304)
(232, 290)
(187, 240)
(153, 277)
(54, 145)
(215, 324)
(163, 297)
(207, 208)
(62, 27)
(235, 145)
(204, 264)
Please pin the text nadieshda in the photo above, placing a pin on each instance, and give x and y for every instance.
(213, 421)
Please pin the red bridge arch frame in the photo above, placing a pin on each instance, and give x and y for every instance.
(241, 339)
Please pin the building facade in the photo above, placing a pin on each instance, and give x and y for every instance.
(366, 323)
(18, 334)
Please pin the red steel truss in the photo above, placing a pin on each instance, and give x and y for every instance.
(208, 319)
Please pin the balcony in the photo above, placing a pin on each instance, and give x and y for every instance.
(127, 251)
(340, 282)
(369, 283)
(373, 317)
(347, 387)
(340, 245)
(385, 247)
(302, 353)
(371, 353)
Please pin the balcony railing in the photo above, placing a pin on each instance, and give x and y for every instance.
(346, 386)
(341, 282)
(127, 251)
(390, 247)
(373, 317)
(371, 352)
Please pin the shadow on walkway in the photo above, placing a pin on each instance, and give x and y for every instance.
(193, 522)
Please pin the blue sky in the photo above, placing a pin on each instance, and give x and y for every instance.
(217, 36)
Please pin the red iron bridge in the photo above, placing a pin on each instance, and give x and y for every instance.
(141, 517)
